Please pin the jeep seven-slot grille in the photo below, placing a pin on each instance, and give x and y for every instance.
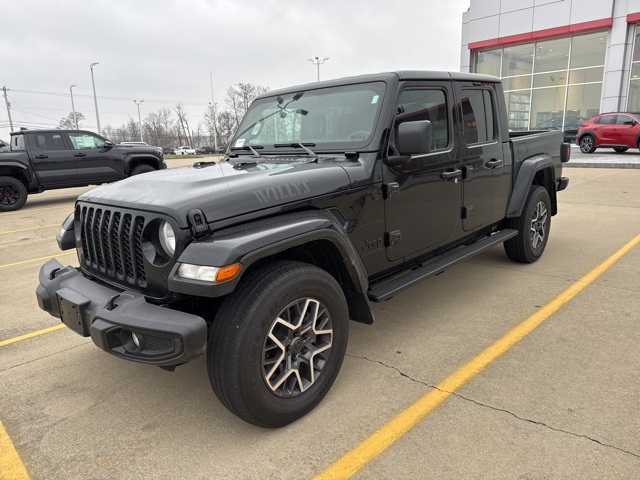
(112, 244)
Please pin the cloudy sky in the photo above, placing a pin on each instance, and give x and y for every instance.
(161, 51)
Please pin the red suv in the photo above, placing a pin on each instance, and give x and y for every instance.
(618, 130)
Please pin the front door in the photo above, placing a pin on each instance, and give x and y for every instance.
(486, 168)
(96, 163)
(423, 195)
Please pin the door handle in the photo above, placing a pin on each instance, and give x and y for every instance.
(451, 175)
(79, 154)
(494, 163)
(42, 156)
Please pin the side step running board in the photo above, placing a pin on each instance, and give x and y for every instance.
(389, 289)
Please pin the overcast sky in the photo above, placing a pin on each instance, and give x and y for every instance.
(162, 51)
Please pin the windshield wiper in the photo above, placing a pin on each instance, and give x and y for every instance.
(252, 148)
(299, 145)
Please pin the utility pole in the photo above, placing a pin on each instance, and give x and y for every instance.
(73, 107)
(318, 62)
(213, 109)
(95, 99)
(6, 101)
(139, 118)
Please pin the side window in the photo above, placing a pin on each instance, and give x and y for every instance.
(427, 104)
(477, 116)
(50, 141)
(17, 143)
(622, 119)
(83, 141)
(606, 120)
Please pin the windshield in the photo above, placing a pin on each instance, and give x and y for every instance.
(341, 117)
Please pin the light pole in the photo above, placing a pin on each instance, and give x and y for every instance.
(213, 109)
(95, 99)
(139, 119)
(73, 107)
(318, 62)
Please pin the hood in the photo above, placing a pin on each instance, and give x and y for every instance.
(225, 189)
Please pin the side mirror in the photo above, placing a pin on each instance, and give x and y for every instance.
(108, 144)
(414, 137)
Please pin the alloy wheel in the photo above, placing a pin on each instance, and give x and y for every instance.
(539, 225)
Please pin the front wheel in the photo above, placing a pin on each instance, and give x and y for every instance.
(533, 227)
(13, 194)
(277, 343)
(587, 144)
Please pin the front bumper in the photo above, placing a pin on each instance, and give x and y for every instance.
(121, 323)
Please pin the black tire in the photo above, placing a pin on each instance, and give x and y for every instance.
(621, 149)
(587, 144)
(533, 227)
(142, 169)
(13, 194)
(244, 362)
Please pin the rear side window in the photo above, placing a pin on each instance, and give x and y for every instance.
(425, 104)
(49, 141)
(477, 116)
(17, 143)
(625, 119)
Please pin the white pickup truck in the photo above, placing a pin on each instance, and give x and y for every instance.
(185, 150)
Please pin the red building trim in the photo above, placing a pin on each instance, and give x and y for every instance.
(633, 17)
(547, 33)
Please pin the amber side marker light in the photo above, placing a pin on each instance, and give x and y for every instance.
(228, 272)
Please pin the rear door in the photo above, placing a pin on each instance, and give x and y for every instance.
(422, 205)
(486, 171)
(52, 159)
(95, 162)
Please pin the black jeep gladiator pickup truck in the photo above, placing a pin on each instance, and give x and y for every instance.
(40, 160)
(330, 196)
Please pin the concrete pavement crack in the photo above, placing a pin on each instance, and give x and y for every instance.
(497, 409)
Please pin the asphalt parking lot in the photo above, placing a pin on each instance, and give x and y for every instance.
(562, 402)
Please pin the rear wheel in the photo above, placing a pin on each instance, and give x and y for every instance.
(621, 149)
(13, 194)
(587, 144)
(277, 343)
(533, 227)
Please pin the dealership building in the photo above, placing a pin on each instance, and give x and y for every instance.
(561, 61)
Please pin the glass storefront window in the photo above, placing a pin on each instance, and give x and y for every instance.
(488, 62)
(547, 108)
(586, 75)
(516, 83)
(552, 55)
(549, 79)
(517, 60)
(588, 50)
(518, 105)
(583, 102)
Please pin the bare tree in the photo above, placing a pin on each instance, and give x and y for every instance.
(158, 126)
(183, 122)
(68, 122)
(240, 96)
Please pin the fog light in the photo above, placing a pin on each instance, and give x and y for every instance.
(135, 339)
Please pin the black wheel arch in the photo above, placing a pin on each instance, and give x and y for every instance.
(587, 132)
(539, 170)
(21, 173)
(133, 162)
(314, 237)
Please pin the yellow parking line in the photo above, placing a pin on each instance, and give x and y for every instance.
(28, 229)
(11, 466)
(387, 434)
(6, 265)
(26, 336)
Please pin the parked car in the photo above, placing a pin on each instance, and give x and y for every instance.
(41, 160)
(185, 150)
(617, 130)
(206, 150)
(261, 262)
(169, 151)
(4, 146)
(554, 124)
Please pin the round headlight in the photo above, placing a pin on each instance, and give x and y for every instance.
(167, 238)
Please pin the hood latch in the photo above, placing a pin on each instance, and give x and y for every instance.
(198, 223)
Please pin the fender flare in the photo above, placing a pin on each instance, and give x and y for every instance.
(526, 174)
(14, 164)
(135, 159)
(249, 243)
